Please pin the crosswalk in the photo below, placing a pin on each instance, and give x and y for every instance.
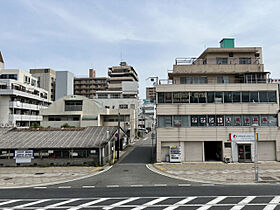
(138, 203)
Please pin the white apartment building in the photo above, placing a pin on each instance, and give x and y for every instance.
(20, 98)
(208, 99)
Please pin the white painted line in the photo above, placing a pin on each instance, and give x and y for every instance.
(30, 204)
(212, 202)
(273, 203)
(150, 203)
(210, 185)
(112, 186)
(184, 185)
(8, 202)
(179, 203)
(242, 203)
(60, 203)
(119, 204)
(145, 139)
(88, 186)
(89, 204)
(160, 185)
(64, 187)
(40, 187)
(136, 185)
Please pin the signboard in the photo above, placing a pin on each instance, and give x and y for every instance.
(175, 154)
(242, 137)
(23, 156)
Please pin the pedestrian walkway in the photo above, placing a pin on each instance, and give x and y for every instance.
(15, 177)
(221, 173)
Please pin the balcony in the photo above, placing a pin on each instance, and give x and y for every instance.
(18, 117)
(20, 105)
(215, 61)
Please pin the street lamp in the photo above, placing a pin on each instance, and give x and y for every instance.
(256, 152)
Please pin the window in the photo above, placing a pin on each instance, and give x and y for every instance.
(272, 96)
(160, 97)
(210, 97)
(245, 97)
(182, 80)
(220, 120)
(194, 97)
(221, 60)
(168, 97)
(54, 118)
(101, 95)
(237, 120)
(202, 97)
(115, 96)
(222, 79)
(236, 97)
(202, 120)
(264, 120)
(254, 97)
(227, 144)
(228, 120)
(255, 120)
(272, 120)
(228, 97)
(218, 97)
(194, 120)
(212, 120)
(244, 60)
(73, 105)
(176, 97)
(123, 106)
(194, 80)
(246, 120)
(185, 97)
(164, 121)
(263, 96)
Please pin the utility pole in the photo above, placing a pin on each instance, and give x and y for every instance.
(256, 154)
(118, 138)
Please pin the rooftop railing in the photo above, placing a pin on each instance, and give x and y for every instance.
(217, 61)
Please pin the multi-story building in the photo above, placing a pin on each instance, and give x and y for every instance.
(20, 98)
(64, 84)
(46, 80)
(151, 94)
(147, 117)
(1, 61)
(87, 86)
(224, 92)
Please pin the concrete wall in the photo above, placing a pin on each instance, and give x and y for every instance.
(64, 84)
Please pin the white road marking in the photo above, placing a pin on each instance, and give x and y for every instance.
(40, 187)
(145, 139)
(30, 204)
(273, 203)
(212, 202)
(160, 185)
(89, 204)
(8, 202)
(179, 203)
(208, 185)
(60, 203)
(243, 203)
(64, 187)
(136, 185)
(184, 185)
(88, 186)
(150, 203)
(113, 186)
(119, 204)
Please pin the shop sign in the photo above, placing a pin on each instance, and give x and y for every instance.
(23, 156)
(242, 137)
(175, 154)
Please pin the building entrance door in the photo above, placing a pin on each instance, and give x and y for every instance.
(244, 153)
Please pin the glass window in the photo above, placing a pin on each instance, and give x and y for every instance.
(246, 120)
(177, 121)
(221, 60)
(272, 119)
(202, 97)
(194, 97)
(237, 120)
(244, 60)
(182, 80)
(202, 120)
(272, 96)
(255, 119)
(185, 121)
(236, 97)
(254, 97)
(164, 121)
(245, 97)
(211, 120)
(176, 97)
(264, 120)
(228, 97)
(203, 80)
(210, 97)
(168, 97)
(228, 120)
(194, 120)
(160, 97)
(195, 80)
(189, 80)
(220, 120)
(263, 96)
(185, 97)
(218, 97)
(220, 80)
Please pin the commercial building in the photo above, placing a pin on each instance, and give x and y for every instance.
(223, 92)
(46, 80)
(56, 147)
(151, 94)
(87, 86)
(64, 84)
(147, 115)
(20, 98)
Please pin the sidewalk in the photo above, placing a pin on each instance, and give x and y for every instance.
(220, 173)
(17, 177)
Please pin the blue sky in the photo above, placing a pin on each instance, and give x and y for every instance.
(76, 35)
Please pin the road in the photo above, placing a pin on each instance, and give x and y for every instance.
(129, 184)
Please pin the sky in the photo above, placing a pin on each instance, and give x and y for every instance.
(76, 35)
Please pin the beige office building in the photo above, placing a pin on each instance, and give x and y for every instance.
(46, 80)
(221, 93)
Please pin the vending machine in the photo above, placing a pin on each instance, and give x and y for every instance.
(175, 154)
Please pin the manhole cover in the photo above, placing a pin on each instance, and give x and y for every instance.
(39, 173)
(267, 178)
(8, 178)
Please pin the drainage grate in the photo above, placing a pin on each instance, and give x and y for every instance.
(268, 178)
(39, 173)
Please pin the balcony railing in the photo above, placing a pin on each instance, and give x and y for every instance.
(217, 61)
(20, 105)
(19, 117)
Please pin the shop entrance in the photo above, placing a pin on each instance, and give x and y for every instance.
(244, 153)
(213, 150)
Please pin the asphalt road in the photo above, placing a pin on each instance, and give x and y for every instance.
(130, 184)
